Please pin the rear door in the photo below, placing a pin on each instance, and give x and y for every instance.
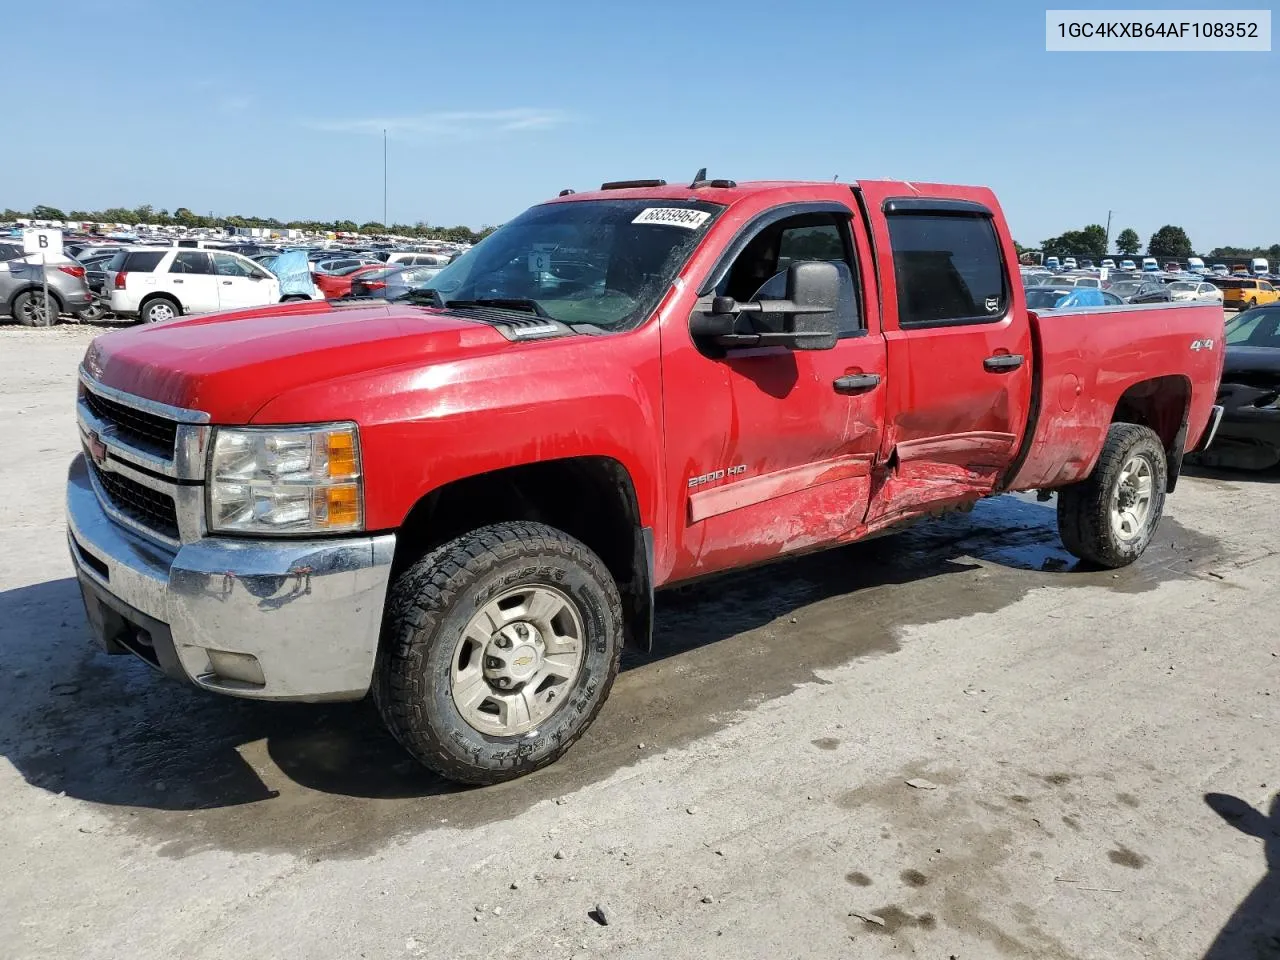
(192, 281)
(958, 342)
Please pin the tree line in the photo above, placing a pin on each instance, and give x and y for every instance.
(185, 217)
(1169, 241)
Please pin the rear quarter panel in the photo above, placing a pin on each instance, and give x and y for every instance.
(1090, 357)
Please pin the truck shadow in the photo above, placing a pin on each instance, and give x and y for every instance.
(1253, 931)
(107, 730)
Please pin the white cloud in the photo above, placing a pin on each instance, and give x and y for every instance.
(454, 124)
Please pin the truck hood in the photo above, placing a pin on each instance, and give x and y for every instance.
(230, 365)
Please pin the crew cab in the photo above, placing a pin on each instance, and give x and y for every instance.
(463, 501)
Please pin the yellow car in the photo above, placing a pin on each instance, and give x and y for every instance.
(1241, 293)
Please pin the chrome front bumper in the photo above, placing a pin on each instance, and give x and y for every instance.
(273, 620)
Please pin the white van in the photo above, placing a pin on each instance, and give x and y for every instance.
(1150, 265)
(1196, 265)
(1259, 266)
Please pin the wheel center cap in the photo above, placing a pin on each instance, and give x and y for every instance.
(514, 655)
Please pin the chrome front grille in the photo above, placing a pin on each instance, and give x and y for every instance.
(150, 508)
(147, 461)
(149, 431)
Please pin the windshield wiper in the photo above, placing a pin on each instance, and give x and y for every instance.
(428, 297)
(503, 303)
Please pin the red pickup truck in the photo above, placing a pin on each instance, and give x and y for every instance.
(464, 501)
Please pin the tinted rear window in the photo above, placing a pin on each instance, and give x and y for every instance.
(948, 268)
(142, 261)
(10, 251)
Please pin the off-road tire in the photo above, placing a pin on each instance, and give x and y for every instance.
(430, 604)
(1084, 508)
(144, 311)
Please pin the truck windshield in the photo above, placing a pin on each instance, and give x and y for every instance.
(605, 263)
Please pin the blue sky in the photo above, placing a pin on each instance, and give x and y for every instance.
(278, 109)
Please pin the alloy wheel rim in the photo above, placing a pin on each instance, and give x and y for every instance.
(1131, 500)
(517, 660)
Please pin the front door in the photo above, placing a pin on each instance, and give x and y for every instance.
(959, 348)
(773, 451)
(192, 281)
(240, 282)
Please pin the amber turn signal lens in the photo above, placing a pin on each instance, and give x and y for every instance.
(342, 506)
(342, 454)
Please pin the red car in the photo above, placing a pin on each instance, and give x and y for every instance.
(335, 286)
(465, 501)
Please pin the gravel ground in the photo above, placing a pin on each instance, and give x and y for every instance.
(950, 743)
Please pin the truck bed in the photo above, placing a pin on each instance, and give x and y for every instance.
(1089, 358)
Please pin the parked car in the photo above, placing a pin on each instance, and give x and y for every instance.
(1151, 291)
(1071, 280)
(1244, 292)
(414, 258)
(337, 285)
(1049, 296)
(374, 282)
(1249, 435)
(1069, 263)
(1195, 290)
(465, 504)
(1108, 264)
(1128, 265)
(1150, 265)
(1259, 266)
(22, 291)
(398, 283)
(1124, 289)
(1220, 270)
(163, 283)
(332, 265)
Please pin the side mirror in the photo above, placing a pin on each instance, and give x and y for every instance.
(809, 313)
(813, 287)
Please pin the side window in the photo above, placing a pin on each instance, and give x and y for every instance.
(226, 265)
(1266, 286)
(760, 270)
(143, 261)
(949, 269)
(191, 261)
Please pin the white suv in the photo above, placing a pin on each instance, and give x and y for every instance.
(160, 284)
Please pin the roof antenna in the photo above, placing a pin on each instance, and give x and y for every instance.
(835, 178)
(699, 177)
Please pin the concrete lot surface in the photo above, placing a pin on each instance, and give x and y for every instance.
(950, 743)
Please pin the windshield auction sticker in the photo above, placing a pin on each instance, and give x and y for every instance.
(673, 217)
(1180, 31)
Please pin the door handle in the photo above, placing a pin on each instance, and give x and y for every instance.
(857, 382)
(1003, 362)
(227, 283)
(177, 281)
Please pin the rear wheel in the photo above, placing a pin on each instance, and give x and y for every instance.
(159, 308)
(1110, 517)
(498, 651)
(31, 309)
(92, 313)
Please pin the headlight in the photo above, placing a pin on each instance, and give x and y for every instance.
(290, 480)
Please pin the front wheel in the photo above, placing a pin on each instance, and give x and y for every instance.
(1110, 517)
(499, 648)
